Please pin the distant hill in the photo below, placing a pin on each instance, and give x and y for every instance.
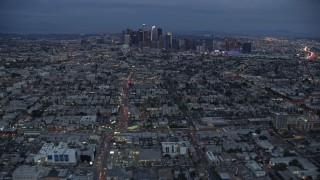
(258, 33)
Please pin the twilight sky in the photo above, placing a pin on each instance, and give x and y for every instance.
(106, 16)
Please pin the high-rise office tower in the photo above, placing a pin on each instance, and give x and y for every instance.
(187, 44)
(232, 45)
(208, 42)
(135, 39)
(159, 32)
(124, 32)
(140, 34)
(246, 48)
(169, 40)
(161, 42)
(154, 33)
(100, 40)
(280, 121)
(126, 39)
(143, 31)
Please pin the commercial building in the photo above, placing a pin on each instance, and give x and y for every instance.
(233, 45)
(126, 39)
(143, 32)
(307, 124)
(87, 153)
(246, 48)
(154, 33)
(214, 121)
(169, 40)
(265, 144)
(174, 148)
(149, 155)
(208, 42)
(256, 169)
(280, 121)
(30, 172)
(212, 158)
(56, 154)
(88, 120)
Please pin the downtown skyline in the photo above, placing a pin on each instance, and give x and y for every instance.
(294, 17)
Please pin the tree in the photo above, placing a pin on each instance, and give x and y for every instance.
(306, 143)
(167, 155)
(309, 178)
(288, 154)
(193, 174)
(13, 75)
(263, 137)
(36, 113)
(98, 114)
(295, 162)
(182, 176)
(23, 154)
(279, 167)
(228, 93)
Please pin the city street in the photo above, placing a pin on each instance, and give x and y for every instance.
(122, 118)
(100, 163)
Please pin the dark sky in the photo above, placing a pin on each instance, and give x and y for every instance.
(107, 16)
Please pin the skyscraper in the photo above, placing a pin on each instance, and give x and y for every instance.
(208, 42)
(161, 42)
(154, 33)
(246, 48)
(168, 40)
(126, 39)
(232, 45)
(143, 32)
(159, 32)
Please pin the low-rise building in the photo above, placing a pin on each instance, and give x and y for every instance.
(30, 172)
(56, 154)
(265, 144)
(174, 148)
(212, 158)
(256, 169)
(88, 120)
